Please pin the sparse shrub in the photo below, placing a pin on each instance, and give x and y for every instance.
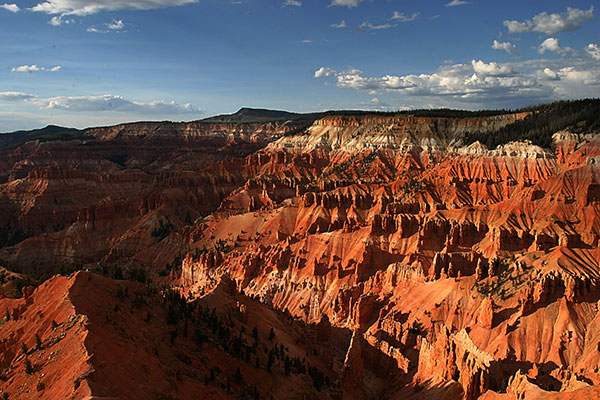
(28, 366)
(271, 361)
(238, 375)
(199, 337)
(138, 274)
(222, 246)
(163, 229)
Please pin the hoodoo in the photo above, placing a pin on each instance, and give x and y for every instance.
(336, 255)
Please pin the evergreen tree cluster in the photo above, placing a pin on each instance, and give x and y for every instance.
(256, 349)
(423, 113)
(163, 229)
(112, 271)
(578, 116)
(11, 235)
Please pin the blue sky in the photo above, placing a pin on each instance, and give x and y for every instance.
(87, 63)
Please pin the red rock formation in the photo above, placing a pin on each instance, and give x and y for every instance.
(352, 372)
(89, 327)
(456, 266)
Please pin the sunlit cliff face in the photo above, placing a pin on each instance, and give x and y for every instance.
(428, 266)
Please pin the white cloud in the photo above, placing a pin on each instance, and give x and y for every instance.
(306, 41)
(491, 69)
(457, 80)
(506, 46)
(60, 20)
(110, 102)
(15, 96)
(553, 44)
(103, 103)
(593, 50)
(342, 24)
(405, 17)
(547, 74)
(11, 7)
(577, 82)
(345, 3)
(113, 26)
(552, 24)
(35, 68)
(294, 3)
(88, 7)
(55, 21)
(324, 72)
(481, 84)
(26, 68)
(368, 25)
(454, 3)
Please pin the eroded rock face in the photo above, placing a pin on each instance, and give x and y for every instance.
(79, 334)
(454, 266)
(352, 372)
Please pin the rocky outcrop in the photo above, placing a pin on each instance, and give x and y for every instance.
(352, 372)
(455, 266)
(455, 357)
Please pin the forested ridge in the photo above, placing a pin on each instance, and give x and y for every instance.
(578, 116)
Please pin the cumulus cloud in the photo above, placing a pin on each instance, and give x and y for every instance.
(88, 7)
(35, 68)
(294, 3)
(455, 3)
(552, 24)
(553, 44)
(491, 69)
(11, 7)
(109, 102)
(354, 79)
(342, 24)
(547, 74)
(324, 72)
(506, 46)
(480, 84)
(345, 3)
(577, 82)
(593, 50)
(102, 103)
(404, 17)
(15, 96)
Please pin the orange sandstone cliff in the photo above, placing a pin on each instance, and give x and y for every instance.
(392, 260)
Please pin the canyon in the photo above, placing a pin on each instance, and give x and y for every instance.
(334, 255)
